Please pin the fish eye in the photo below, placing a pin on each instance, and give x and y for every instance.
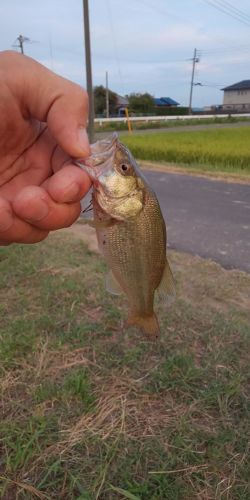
(124, 167)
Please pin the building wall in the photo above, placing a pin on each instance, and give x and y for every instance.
(237, 99)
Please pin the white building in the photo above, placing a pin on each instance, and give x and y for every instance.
(237, 97)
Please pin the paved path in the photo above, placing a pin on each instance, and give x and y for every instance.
(206, 217)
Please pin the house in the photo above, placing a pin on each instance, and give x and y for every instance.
(237, 97)
(165, 102)
(121, 104)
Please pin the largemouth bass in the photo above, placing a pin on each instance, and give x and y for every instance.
(131, 232)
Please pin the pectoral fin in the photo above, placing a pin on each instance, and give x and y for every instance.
(166, 289)
(112, 285)
(98, 224)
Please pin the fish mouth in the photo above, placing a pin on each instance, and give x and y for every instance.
(100, 159)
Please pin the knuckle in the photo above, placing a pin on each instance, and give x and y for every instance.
(81, 98)
(6, 221)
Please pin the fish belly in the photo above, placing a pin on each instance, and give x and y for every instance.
(135, 251)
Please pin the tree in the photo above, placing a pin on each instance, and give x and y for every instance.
(141, 103)
(100, 100)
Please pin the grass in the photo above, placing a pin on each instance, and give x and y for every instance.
(225, 150)
(89, 410)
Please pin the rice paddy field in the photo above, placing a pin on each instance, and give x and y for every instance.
(225, 150)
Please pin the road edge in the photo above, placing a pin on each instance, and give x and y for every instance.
(177, 169)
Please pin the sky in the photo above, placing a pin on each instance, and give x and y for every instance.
(144, 45)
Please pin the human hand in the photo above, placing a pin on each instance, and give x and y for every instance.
(43, 125)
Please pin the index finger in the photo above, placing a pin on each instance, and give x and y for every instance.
(43, 95)
(70, 184)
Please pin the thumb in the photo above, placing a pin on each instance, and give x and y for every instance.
(50, 98)
(67, 117)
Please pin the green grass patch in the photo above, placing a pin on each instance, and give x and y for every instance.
(90, 410)
(157, 124)
(75, 385)
(25, 439)
(215, 150)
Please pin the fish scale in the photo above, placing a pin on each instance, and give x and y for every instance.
(131, 232)
(136, 253)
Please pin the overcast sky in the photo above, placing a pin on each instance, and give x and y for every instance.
(145, 45)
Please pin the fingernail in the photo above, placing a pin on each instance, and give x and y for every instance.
(83, 141)
(41, 211)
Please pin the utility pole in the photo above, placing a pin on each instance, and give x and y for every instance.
(107, 96)
(195, 60)
(88, 70)
(20, 40)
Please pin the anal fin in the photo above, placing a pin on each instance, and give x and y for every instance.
(166, 289)
(112, 285)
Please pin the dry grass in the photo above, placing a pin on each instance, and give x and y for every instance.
(92, 411)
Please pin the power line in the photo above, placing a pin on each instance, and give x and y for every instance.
(161, 11)
(218, 4)
(228, 12)
(228, 48)
(234, 10)
(217, 87)
(237, 57)
(218, 51)
(114, 40)
(214, 84)
(222, 5)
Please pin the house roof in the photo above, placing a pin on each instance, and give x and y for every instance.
(121, 101)
(165, 101)
(244, 84)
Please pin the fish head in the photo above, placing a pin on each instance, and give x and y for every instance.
(118, 187)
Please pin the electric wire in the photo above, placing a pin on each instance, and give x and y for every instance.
(228, 12)
(114, 41)
(234, 10)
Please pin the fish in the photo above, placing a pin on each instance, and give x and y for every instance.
(131, 232)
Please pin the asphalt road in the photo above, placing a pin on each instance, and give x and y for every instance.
(206, 217)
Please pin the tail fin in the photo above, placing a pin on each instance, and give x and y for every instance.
(148, 324)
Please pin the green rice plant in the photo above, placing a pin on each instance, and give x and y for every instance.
(224, 149)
